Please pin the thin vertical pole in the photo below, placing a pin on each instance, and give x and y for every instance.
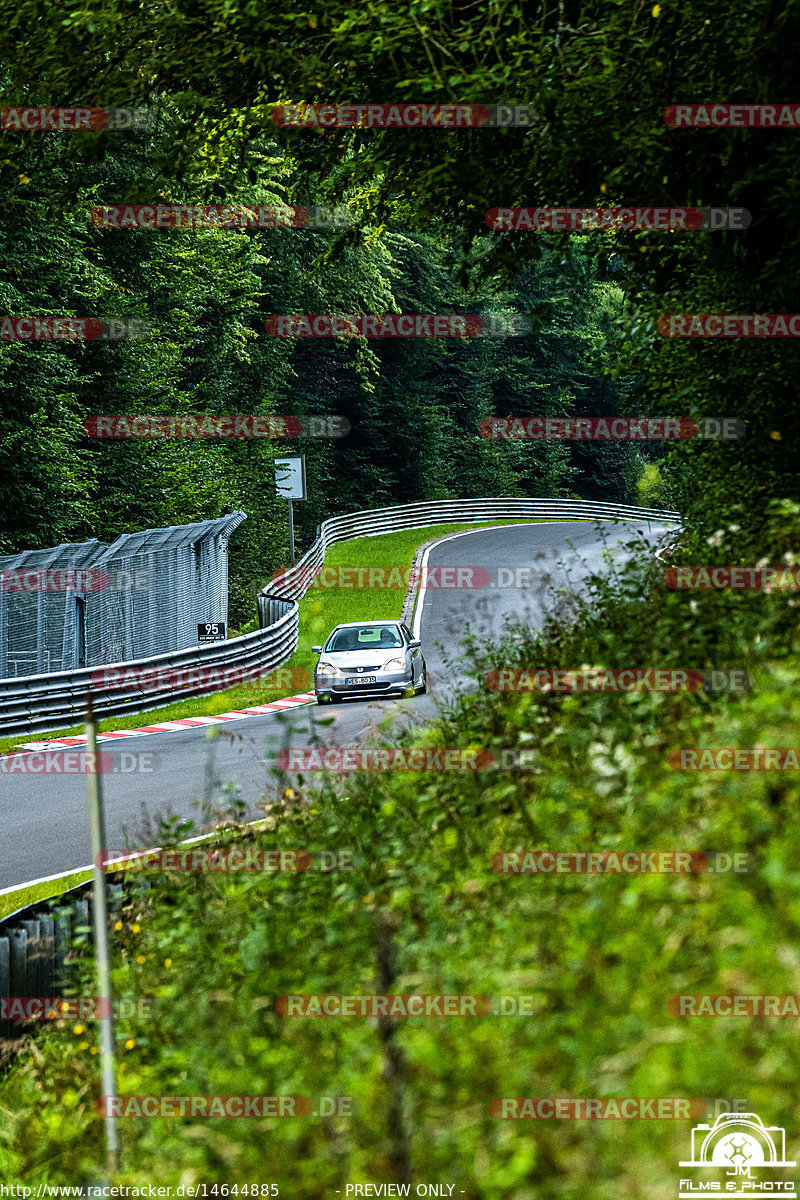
(291, 532)
(97, 825)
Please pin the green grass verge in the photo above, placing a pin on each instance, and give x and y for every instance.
(33, 893)
(320, 611)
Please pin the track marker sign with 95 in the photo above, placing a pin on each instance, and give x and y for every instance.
(211, 631)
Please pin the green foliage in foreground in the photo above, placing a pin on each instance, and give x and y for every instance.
(423, 912)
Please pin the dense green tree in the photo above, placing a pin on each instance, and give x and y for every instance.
(414, 405)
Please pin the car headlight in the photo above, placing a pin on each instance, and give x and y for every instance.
(327, 669)
(395, 664)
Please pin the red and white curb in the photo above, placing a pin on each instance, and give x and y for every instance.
(183, 723)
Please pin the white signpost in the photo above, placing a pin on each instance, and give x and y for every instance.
(290, 482)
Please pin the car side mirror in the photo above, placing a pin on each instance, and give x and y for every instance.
(414, 644)
(316, 649)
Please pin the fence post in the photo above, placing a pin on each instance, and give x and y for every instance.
(97, 825)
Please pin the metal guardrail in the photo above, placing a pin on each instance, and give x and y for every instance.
(295, 581)
(38, 941)
(53, 701)
(48, 702)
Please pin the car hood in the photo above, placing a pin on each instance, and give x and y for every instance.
(363, 658)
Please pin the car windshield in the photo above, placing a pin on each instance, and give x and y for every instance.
(371, 637)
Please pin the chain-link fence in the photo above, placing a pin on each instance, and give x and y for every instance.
(85, 604)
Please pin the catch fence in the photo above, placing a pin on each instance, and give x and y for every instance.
(84, 604)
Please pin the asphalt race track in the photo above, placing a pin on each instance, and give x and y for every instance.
(45, 816)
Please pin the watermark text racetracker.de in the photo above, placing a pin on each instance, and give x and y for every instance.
(216, 425)
(75, 1008)
(610, 429)
(61, 119)
(394, 758)
(729, 325)
(211, 1107)
(621, 862)
(70, 329)
(735, 1005)
(74, 579)
(381, 577)
(732, 116)
(611, 1108)
(175, 679)
(760, 578)
(229, 860)
(133, 1191)
(80, 762)
(618, 679)
(396, 325)
(585, 220)
(220, 216)
(449, 117)
(734, 758)
(399, 1004)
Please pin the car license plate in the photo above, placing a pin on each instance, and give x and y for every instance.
(363, 679)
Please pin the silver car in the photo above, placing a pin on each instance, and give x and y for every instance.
(369, 658)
